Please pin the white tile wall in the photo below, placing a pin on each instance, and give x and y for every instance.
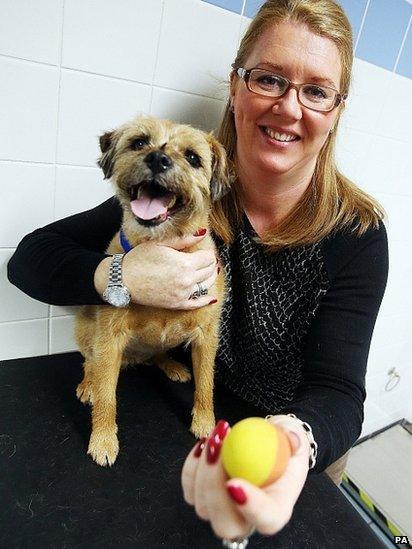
(398, 208)
(31, 30)
(94, 104)
(79, 189)
(352, 147)
(28, 110)
(186, 108)
(121, 41)
(64, 311)
(370, 85)
(72, 69)
(197, 45)
(396, 117)
(15, 305)
(384, 167)
(27, 199)
(62, 334)
(24, 338)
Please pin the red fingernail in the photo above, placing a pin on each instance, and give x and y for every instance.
(199, 447)
(213, 301)
(218, 270)
(237, 494)
(200, 232)
(215, 441)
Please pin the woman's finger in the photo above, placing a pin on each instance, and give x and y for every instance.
(201, 259)
(199, 302)
(189, 469)
(206, 283)
(207, 275)
(208, 476)
(267, 513)
(180, 243)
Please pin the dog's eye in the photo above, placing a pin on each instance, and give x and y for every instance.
(139, 143)
(193, 159)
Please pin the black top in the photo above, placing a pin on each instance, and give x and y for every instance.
(296, 324)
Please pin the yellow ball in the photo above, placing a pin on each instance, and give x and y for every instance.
(256, 451)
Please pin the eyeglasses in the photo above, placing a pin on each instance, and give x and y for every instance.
(312, 96)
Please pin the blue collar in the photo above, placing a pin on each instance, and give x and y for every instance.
(124, 242)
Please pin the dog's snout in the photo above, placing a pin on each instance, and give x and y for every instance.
(158, 161)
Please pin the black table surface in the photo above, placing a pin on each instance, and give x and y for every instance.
(53, 494)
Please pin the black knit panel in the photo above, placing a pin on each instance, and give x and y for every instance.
(270, 301)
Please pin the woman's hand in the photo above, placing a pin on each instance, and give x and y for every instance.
(233, 507)
(161, 274)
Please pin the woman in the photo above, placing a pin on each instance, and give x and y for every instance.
(281, 135)
(305, 255)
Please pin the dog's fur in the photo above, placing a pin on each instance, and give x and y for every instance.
(110, 338)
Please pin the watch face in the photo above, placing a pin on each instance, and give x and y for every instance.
(118, 296)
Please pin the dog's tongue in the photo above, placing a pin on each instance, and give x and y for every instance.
(147, 207)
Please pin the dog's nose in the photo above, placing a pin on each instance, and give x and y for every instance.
(158, 161)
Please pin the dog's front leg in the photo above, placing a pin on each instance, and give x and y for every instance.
(204, 349)
(104, 445)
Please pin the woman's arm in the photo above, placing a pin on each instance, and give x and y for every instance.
(332, 393)
(64, 264)
(56, 264)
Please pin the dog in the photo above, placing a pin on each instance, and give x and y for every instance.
(187, 169)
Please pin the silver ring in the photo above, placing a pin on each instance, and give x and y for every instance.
(237, 543)
(201, 290)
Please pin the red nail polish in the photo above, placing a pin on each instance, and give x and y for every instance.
(237, 494)
(200, 232)
(213, 301)
(199, 447)
(215, 441)
(218, 270)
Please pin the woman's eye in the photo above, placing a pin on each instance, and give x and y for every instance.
(271, 81)
(193, 159)
(139, 143)
(315, 92)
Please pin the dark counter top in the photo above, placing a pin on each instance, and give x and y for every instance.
(53, 495)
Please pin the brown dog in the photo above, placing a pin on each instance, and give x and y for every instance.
(193, 172)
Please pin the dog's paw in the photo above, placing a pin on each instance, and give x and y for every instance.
(203, 423)
(104, 447)
(175, 371)
(84, 392)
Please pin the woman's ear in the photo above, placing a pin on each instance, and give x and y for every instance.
(232, 89)
(222, 170)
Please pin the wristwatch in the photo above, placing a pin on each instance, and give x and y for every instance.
(116, 292)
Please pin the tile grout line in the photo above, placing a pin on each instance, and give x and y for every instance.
(25, 320)
(56, 144)
(361, 27)
(402, 44)
(157, 57)
(25, 60)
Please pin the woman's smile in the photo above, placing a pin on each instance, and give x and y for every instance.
(279, 137)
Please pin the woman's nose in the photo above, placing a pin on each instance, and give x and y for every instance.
(288, 105)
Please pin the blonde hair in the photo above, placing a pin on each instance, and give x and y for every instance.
(331, 201)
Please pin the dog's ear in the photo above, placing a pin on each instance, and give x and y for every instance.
(222, 170)
(107, 146)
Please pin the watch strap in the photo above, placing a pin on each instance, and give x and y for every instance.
(115, 271)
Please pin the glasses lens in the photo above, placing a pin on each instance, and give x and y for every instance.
(317, 97)
(267, 83)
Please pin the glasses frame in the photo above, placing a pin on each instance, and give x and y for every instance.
(245, 75)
